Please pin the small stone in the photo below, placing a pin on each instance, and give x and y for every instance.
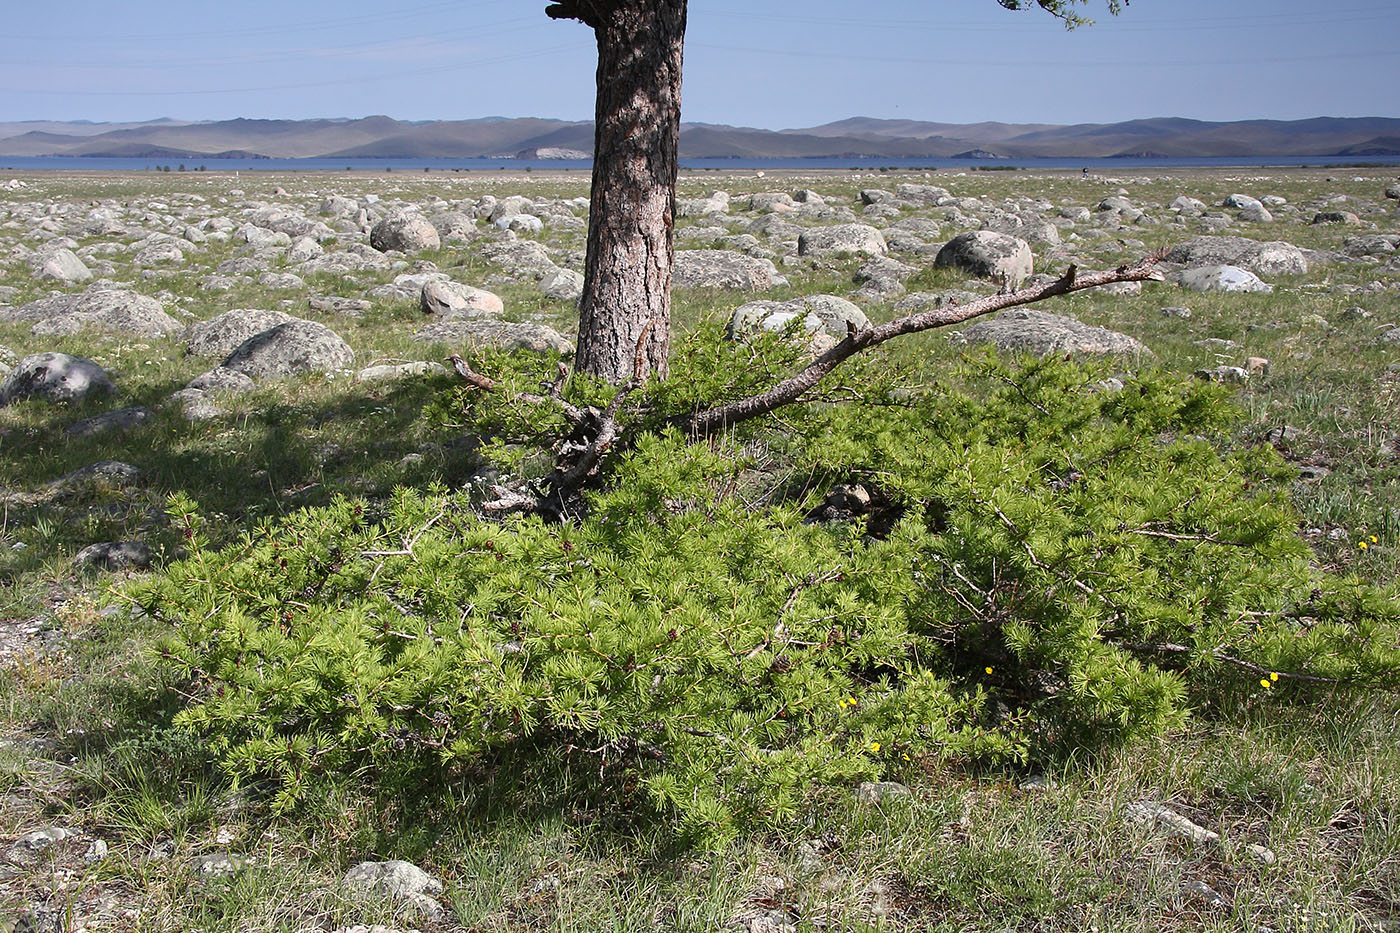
(219, 864)
(400, 879)
(96, 852)
(1176, 312)
(121, 420)
(1233, 375)
(1203, 891)
(1038, 782)
(876, 792)
(1257, 366)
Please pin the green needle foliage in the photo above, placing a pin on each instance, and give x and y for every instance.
(1053, 565)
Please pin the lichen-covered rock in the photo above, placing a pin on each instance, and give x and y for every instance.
(841, 238)
(54, 377)
(122, 419)
(407, 233)
(102, 309)
(989, 255)
(221, 335)
(1222, 279)
(490, 332)
(720, 268)
(1042, 333)
(824, 314)
(291, 349)
(1269, 258)
(115, 555)
(449, 299)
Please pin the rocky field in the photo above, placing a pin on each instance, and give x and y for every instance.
(265, 343)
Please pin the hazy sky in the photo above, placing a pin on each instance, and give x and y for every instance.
(765, 63)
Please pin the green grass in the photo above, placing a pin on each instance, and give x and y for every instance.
(80, 743)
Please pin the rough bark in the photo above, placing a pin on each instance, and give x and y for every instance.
(631, 244)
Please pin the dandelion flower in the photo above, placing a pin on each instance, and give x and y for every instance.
(1266, 683)
(852, 701)
(1362, 545)
(874, 746)
(905, 756)
(987, 669)
(1375, 540)
(1273, 675)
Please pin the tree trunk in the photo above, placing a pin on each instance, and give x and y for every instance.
(631, 244)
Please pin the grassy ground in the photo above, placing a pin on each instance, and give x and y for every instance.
(1319, 786)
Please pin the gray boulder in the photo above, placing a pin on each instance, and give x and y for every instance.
(54, 377)
(122, 419)
(490, 332)
(1271, 258)
(104, 309)
(988, 255)
(1256, 215)
(454, 227)
(520, 258)
(220, 379)
(61, 265)
(718, 268)
(449, 299)
(160, 252)
(1187, 205)
(883, 276)
(563, 285)
(290, 349)
(115, 556)
(388, 372)
(1374, 244)
(817, 314)
(407, 233)
(1346, 218)
(1222, 279)
(1243, 202)
(221, 335)
(1042, 333)
(841, 238)
(196, 405)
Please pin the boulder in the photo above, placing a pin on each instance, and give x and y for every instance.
(1222, 279)
(1346, 218)
(159, 253)
(393, 371)
(818, 314)
(454, 227)
(220, 379)
(1243, 202)
(104, 309)
(491, 332)
(120, 420)
(520, 258)
(221, 335)
(54, 377)
(718, 268)
(115, 556)
(1186, 205)
(290, 349)
(1256, 215)
(883, 276)
(1270, 258)
(453, 300)
(1042, 333)
(563, 285)
(989, 255)
(61, 265)
(841, 238)
(407, 233)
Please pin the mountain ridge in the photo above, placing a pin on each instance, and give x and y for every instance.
(380, 136)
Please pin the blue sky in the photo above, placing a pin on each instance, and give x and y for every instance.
(766, 63)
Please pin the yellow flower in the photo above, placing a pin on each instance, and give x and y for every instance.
(987, 669)
(1266, 683)
(1362, 545)
(852, 701)
(905, 757)
(1273, 675)
(1375, 540)
(874, 746)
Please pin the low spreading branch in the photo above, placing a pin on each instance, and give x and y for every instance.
(593, 431)
(790, 390)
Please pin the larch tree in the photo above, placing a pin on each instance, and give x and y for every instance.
(625, 311)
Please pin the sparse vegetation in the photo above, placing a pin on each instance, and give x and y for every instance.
(528, 835)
